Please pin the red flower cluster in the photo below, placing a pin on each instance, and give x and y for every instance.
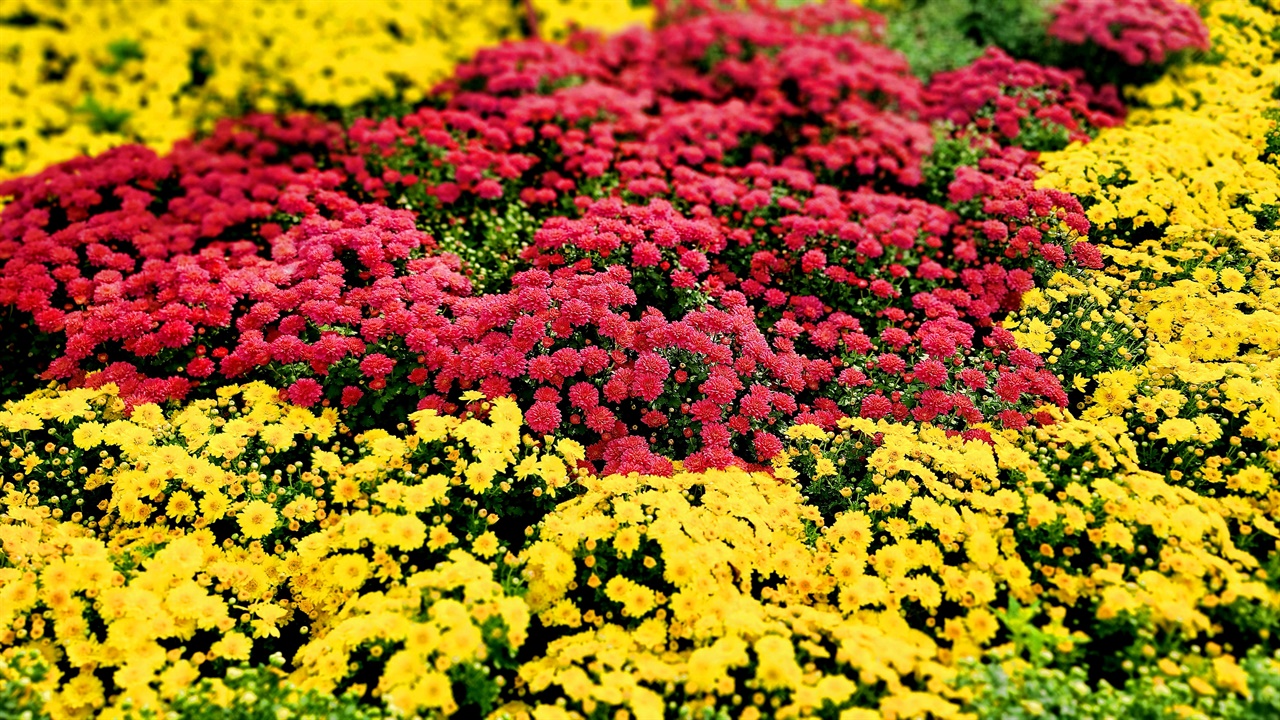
(595, 365)
(1141, 32)
(1007, 213)
(145, 265)
(719, 90)
(1026, 103)
(739, 223)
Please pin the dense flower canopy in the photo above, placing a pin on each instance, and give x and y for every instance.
(715, 367)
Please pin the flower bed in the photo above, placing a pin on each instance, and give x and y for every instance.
(82, 77)
(722, 369)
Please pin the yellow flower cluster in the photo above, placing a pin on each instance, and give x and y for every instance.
(82, 76)
(1178, 340)
(1173, 351)
(558, 17)
(726, 591)
(1191, 155)
(143, 553)
(138, 552)
(1064, 516)
(705, 590)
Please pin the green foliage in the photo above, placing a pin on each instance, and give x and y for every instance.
(103, 119)
(1268, 215)
(941, 35)
(21, 348)
(121, 51)
(488, 240)
(1026, 679)
(1273, 134)
(260, 693)
(950, 151)
(20, 676)
(1038, 691)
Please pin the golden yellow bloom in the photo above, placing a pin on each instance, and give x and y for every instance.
(257, 519)
(486, 545)
(636, 599)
